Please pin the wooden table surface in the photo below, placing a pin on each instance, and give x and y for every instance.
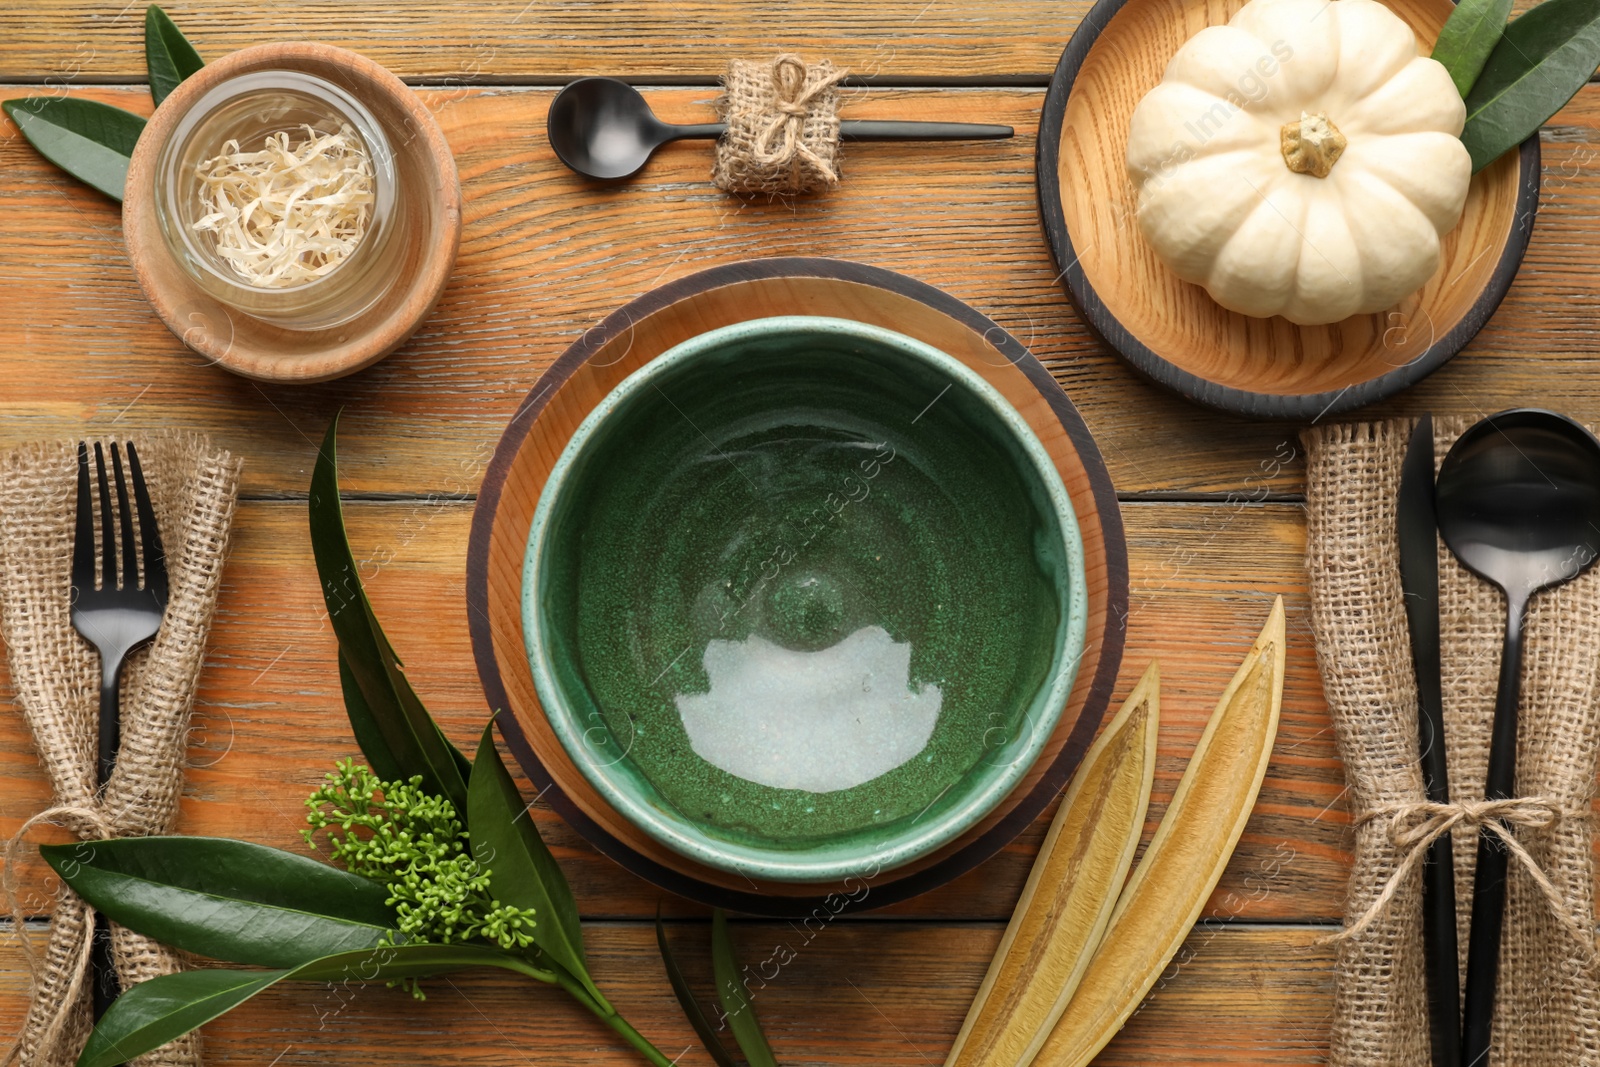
(1212, 504)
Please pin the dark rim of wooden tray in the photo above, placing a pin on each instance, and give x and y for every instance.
(892, 890)
(1245, 402)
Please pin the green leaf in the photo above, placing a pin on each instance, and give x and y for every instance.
(389, 707)
(691, 1007)
(155, 1012)
(168, 55)
(89, 140)
(1467, 38)
(369, 735)
(741, 1014)
(228, 900)
(522, 872)
(1541, 62)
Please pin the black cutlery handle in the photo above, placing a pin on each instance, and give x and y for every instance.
(1439, 951)
(871, 130)
(1489, 882)
(110, 727)
(104, 972)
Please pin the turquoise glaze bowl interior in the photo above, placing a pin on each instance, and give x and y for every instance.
(804, 598)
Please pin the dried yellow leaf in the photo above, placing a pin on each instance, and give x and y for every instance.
(1071, 890)
(1185, 858)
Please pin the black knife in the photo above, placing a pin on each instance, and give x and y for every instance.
(1419, 581)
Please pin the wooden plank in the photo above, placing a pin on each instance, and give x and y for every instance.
(546, 256)
(552, 41)
(546, 40)
(853, 993)
(269, 720)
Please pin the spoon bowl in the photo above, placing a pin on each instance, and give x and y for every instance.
(1518, 502)
(604, 128)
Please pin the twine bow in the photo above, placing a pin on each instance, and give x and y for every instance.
(1414, 828)
(88, 823)
(783, 139)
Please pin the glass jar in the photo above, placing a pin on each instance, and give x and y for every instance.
(248, 109)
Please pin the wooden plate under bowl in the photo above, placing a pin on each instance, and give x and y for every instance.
(644, 329)
(1172, 331)
(430, 197)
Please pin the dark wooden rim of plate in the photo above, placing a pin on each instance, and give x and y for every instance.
(1094, 313)
(891, 889)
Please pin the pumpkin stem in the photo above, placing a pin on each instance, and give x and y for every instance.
(1312, 144)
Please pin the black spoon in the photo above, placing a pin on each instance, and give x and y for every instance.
(602, 128)
(1518, 501)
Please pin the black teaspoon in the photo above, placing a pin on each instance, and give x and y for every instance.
(1518, 500)
(1419, 581)
(602, 128)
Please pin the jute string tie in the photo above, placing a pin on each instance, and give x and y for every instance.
(784, 137)
(87, 822)
(55, 682)
(1413, 828)
(1547, 1012)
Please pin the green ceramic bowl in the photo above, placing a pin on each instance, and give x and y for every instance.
(804, 598)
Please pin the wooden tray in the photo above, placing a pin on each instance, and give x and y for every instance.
(1173, 332)
(637, 333)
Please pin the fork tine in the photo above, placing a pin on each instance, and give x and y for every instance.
(155, 556)
(83, 537)
(108, 539)
(130, 552)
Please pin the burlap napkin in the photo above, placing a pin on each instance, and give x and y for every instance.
(55, 674)
(1548, 1012)
(783, 127)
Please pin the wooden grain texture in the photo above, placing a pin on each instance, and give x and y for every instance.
(269, 719)
(552, 40)
(544, 257)
(853, 993)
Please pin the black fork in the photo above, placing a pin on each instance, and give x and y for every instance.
(117, 605)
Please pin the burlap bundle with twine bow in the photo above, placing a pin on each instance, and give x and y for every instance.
(56, 678)
(1548, 1011)
(783, 127)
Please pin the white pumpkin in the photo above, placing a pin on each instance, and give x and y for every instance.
(1302, 160)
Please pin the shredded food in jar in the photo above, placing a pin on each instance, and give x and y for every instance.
(291, 212)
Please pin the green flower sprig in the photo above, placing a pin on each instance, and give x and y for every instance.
(414, 844)
(443, 871)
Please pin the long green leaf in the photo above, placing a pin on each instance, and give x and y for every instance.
(686, 1000)
(463, 763)
(369, 735)
(1541, 62)
(89, 140)
(412, 740)
(158, 1011)
(168, 55)
(228, 900)
(153, 1013)
(1467, 38)
(522, 872)
(741, 1014)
